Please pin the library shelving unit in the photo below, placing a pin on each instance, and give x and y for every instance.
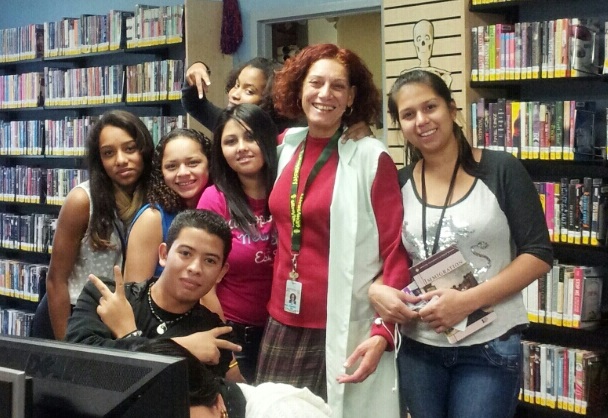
(546, 84)
(46, 108)
(49, 98)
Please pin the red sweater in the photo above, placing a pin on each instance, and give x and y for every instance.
(313, 261)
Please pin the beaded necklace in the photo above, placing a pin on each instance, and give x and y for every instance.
(163, 326)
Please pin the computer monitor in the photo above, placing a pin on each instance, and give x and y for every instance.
(74, 380)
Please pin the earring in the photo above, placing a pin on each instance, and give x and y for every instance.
(349, 111)
(224, 414)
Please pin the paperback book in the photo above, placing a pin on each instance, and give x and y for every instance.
(448, 269)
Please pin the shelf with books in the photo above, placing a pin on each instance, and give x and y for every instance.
(567, 41)
(56, 78)
(539, 90)
(159, 50)
(499, 6)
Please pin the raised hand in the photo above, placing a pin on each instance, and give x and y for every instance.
(206, 345)
(198, 74)
(114, 309)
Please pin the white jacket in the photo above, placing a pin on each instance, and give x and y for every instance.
(354, 260)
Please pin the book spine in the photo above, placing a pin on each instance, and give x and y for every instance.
(602, 218)
(551, 380)
(551, 49)
(523, 114)
(568, 296)
(543, 365)
(481, 54)
(592, 297)
(536, 375)
(595, 205)
(501, 108)
(543, 115)
(536, 50)
(579, 378)
(559, 372)
(515, 128)
(518, 52)
(492, 132)
(571, 378)
(536, 129)
(474, 54)
(550, 208)
(561, 294)
(573, 228)
(586, 209)
(577, 296)
(544, 70)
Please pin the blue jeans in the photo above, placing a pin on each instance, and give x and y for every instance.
(479, 381)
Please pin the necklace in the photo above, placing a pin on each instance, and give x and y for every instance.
(448, 198)
(163, 326)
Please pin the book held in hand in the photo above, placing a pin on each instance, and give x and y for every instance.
(448, 269)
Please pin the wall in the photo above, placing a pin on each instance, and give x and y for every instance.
(449, 51)
(256, 13)
(360, 33)
(322, 30)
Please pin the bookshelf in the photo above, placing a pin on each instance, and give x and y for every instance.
(50, 96)
(504, 77)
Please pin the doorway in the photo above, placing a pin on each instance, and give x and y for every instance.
(361, 33)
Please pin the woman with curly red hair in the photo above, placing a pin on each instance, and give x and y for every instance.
(334, 237)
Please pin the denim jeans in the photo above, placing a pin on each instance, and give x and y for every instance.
(479, 381)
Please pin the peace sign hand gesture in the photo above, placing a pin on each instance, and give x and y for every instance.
(114, 309)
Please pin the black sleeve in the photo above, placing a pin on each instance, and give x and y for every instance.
(519, 200)
(404, 174)
(86, 327)
(202, 110)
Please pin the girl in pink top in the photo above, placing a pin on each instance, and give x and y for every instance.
(243, 166)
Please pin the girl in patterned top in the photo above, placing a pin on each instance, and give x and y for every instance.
(89, 237)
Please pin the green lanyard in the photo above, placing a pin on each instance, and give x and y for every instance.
(295, 204)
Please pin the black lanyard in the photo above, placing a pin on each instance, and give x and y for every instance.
(445, 205)
(295, 204)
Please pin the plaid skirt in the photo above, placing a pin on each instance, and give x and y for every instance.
(293, 355)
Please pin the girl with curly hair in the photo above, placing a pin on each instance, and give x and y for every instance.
(180, 174)
(250, 82)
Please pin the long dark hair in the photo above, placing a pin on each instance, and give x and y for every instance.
(103, 192)
(158, 192)
(263, 130)
(436, 83)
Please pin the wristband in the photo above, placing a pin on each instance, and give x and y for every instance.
(136, 333)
